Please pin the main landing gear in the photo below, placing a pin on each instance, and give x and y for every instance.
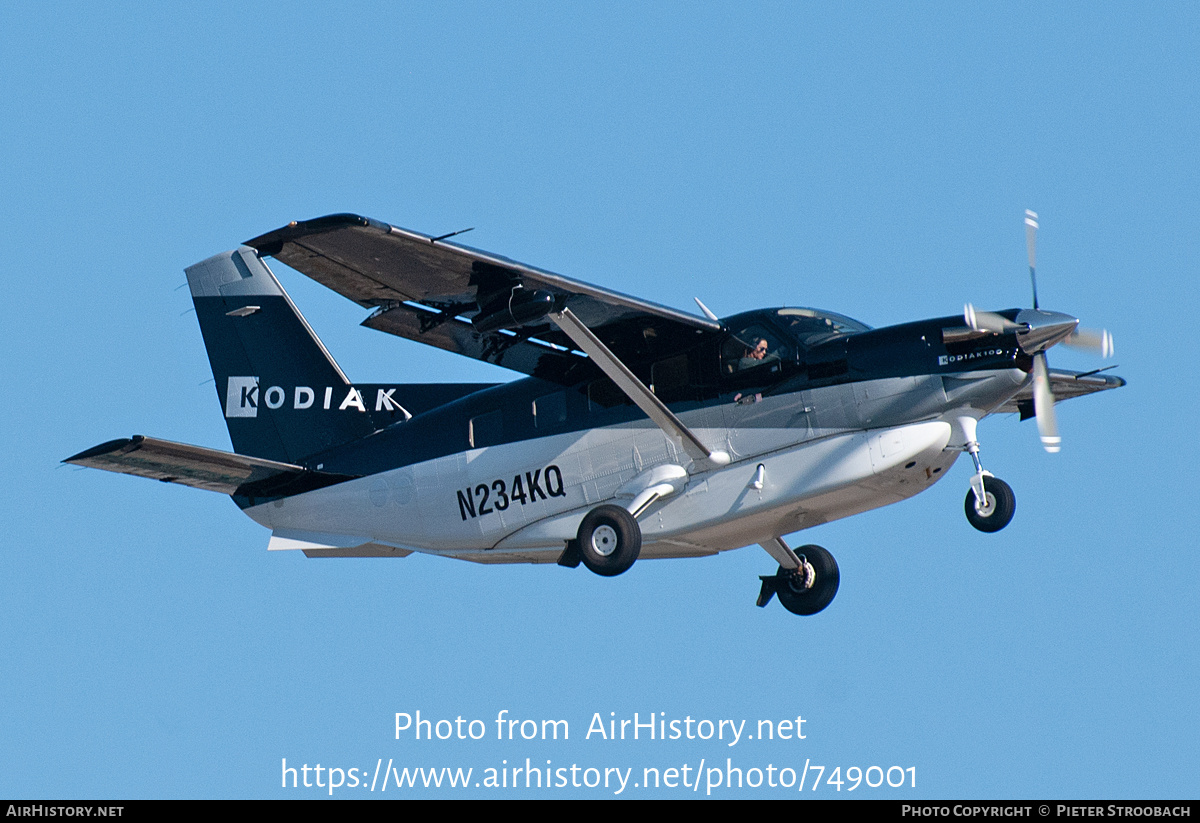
(990, 504)
(608, 542)
(807, 584)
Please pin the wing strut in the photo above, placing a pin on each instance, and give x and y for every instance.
(636, 390)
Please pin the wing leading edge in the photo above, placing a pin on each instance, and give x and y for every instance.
(1064, 385)
(448, 296)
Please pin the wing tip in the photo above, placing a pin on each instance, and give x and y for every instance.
(271, 243)
(107, 447)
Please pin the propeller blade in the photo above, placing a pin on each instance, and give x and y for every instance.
(1098, 341)
(1043, 405)
(987, 321)
(1031, 227)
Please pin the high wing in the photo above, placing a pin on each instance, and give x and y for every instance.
(475, 303)
(1064, 385)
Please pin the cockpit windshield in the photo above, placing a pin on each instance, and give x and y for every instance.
(811, 326)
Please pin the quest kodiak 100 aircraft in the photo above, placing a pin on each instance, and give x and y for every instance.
(640, 430)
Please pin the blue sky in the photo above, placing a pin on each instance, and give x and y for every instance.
(875, 162)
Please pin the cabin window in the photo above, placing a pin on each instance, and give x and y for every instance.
(550, 410)
(604, 394)
(485, 429)
(669, 379)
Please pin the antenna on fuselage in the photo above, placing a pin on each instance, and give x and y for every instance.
(451, 234)
(707, 311)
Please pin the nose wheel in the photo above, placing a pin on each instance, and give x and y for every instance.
(996, 508)
(990, 504)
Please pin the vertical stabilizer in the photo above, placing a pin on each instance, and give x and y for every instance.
(283, 396)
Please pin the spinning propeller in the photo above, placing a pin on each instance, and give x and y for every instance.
(1036, 331)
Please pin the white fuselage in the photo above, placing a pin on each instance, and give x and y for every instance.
(824, 454)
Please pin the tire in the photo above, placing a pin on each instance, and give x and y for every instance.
(806, 601)
(1000, 508)
(609, 540)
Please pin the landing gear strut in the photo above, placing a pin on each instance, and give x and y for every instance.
(990, 504)
(807, 589)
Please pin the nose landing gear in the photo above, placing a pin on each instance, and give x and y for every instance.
(990, 504)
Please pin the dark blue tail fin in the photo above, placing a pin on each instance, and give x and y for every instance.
(283, 396)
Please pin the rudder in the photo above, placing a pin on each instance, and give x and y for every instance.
(283, 396)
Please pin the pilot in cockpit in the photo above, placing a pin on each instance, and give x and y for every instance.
(757, 354)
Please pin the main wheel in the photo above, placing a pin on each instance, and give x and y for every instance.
(810, 588)
(998, 507)
(609, 540)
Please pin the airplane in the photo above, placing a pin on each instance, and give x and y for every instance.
(639, 431)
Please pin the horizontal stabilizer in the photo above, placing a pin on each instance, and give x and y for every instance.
(201, 468)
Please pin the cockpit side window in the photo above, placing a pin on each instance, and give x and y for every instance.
(753, 348)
